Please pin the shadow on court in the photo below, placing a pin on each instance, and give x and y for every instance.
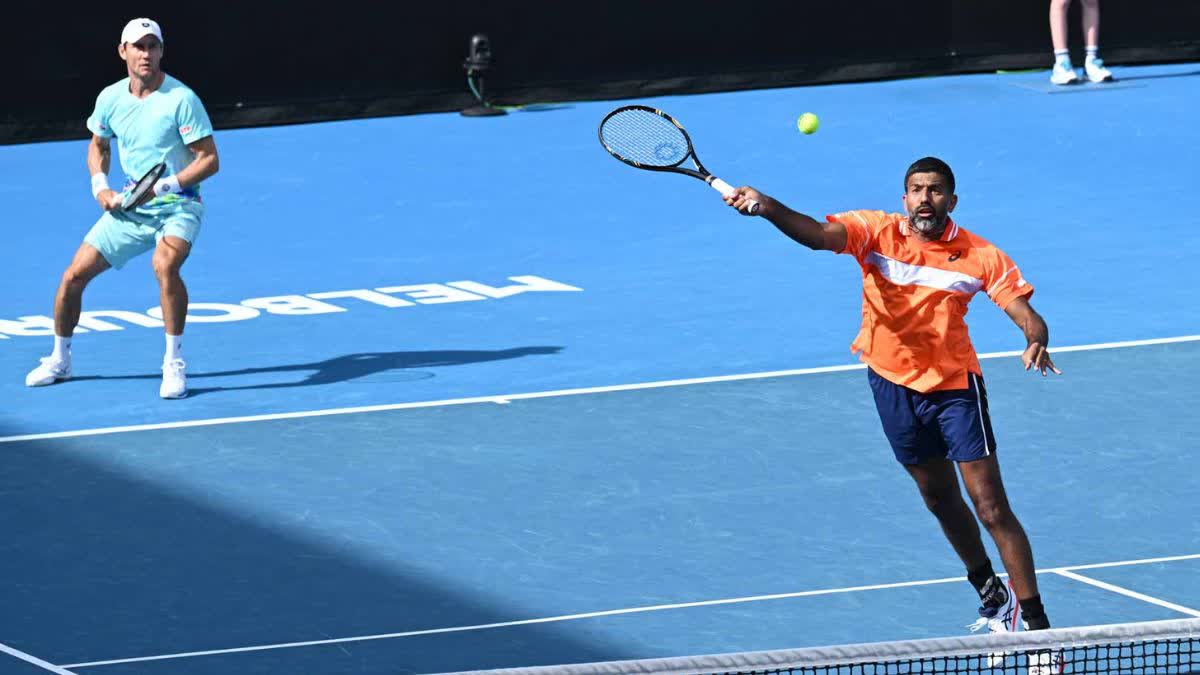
(101, 562)
(401, 365)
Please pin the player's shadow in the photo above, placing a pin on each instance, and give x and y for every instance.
(401, 366)
(109, 558)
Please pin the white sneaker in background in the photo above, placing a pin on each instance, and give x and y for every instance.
(1096, 72)
(1062, 74)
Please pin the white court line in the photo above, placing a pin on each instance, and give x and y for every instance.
(1126, 592)
(34, 660)
(505, 398)
(1143, 561)
(610, 612)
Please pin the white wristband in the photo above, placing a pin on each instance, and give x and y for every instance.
(99, 184)
(168, 185)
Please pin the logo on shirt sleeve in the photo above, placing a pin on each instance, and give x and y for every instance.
(185, 128)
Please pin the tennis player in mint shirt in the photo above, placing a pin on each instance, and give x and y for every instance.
(155, 118)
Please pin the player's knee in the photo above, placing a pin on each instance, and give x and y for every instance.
(994, 514)
(166, 267)
(940, 501)
(74, 280)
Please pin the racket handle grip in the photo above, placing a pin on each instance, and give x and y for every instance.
(726, 189)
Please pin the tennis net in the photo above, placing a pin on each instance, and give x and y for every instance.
(1147, 648)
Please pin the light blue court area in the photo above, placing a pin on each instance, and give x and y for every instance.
(555, 515)
(484, 517)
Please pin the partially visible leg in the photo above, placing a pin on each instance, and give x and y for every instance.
(1058, 24)
(169, 256)
(939, 488)
(986, 489)
(917, 444)
(1063, 72)
(1091, 23)
(68, 301)
(966, 429)
(982, 478)
(1093, 65)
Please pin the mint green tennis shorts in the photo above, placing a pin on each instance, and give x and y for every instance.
(121, 236)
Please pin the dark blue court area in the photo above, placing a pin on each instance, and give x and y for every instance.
(468, 393)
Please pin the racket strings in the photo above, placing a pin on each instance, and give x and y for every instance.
(645, 138)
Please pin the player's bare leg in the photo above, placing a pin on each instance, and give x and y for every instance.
(68, 301)
(938, 483)
(983, 483)
(169, 256)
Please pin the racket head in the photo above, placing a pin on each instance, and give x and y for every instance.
(648, 138)
(143, 190)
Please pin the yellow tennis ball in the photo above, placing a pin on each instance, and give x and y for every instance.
(808, 123)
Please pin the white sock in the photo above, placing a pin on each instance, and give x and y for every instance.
(62, 348)
(174, 348)
(1093, 53)
(1062, 58)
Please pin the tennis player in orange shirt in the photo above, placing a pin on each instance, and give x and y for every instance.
(920, 270)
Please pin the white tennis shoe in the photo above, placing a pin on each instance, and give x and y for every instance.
(998, 614)
(174, 382)
(1061, 74)
(50, 371)
(1096, 72)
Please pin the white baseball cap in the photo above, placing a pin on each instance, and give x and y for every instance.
(139, 28)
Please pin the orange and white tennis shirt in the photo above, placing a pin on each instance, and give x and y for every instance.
(915, 296)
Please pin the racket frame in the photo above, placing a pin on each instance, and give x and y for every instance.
(149, 178)
(700, 172)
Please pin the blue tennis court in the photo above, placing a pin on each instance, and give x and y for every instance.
(469, 394)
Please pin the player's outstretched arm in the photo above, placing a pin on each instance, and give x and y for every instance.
(1037, 336)
(799, 227)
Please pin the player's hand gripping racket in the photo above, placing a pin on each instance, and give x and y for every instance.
(648, 138)
(143, 190)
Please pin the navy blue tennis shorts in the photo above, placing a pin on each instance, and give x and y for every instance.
(953, 424)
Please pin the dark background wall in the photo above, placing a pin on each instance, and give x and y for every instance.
(274, 63)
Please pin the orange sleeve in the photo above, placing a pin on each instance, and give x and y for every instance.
(861, 227)
(1004, 282)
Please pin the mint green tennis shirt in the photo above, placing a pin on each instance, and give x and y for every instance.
(154, 129)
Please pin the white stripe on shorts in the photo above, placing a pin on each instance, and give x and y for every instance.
(987, 450)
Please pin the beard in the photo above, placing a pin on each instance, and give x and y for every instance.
(932, 226)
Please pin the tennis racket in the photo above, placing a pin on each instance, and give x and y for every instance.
(143, 190)
(648, 138)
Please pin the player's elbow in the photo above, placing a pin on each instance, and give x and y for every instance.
(833, 238)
